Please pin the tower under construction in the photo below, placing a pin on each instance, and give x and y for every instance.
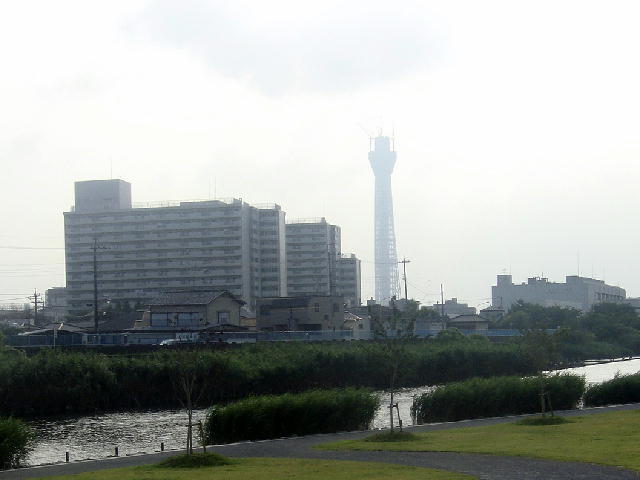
(382, 159)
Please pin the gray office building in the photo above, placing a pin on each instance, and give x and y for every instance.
(577, 292)
(143, 250)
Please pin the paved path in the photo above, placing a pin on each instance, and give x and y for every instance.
(490, 467)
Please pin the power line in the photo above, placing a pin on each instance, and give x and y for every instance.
(15, 247)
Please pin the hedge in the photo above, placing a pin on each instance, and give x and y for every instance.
(492, 397)
(621, 389)
(275, 416)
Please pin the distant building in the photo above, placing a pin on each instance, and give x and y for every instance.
(315, 265)
(55, 303)
(452, 308)
(492, 313)
(313, 312)
(349, 279)
(577, 292)
(313, 246)
(144, 250)
(469, 322)
(634, 302)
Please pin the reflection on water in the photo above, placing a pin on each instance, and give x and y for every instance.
(97, 436)
(605, 371)
(133, 432)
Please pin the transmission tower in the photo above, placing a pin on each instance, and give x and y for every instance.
(382, 159)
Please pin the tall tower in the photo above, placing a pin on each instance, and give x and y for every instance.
(382, 159)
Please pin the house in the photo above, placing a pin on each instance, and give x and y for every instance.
(194, 310)
(303, 313)
(469, 322)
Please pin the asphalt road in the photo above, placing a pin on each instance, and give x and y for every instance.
(490, 467)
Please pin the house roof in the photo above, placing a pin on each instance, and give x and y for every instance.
(59, 327)
(192, 297)
(468, 317)
(118, 323)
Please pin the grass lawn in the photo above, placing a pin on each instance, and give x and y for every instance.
(272, 468)
(604, 438)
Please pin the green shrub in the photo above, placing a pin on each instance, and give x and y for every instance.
(317, 411)
(492, 397)
(539, 421)
(195, 460)
(621, 389)
(15, 442)
(392, 436)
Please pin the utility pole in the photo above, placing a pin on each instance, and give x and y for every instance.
(404, 275)
(35, 299)
(442, 300)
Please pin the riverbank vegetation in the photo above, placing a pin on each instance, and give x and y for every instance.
(15, 442)
(621, 389)
(493, 397)
(276, 416)
(64, 382)
(273, 469)
(609, 330)
(604, 438)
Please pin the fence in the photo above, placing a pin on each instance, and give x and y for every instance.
(155, 338)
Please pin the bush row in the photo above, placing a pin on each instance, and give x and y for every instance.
(274, 416)
(621, 389)
(74, 382)
(15, 441)
(492, 397)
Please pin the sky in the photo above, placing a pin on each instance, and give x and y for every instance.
(516, 125)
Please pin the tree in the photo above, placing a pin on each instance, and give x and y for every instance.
(528, 316)
(189, 383)
(394, 329)
(540, 350)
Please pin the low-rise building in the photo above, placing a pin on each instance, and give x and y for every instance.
(469, 322)
(55, 303)
(194, 310)
(451, 308)
(577, 292)
(312, 312)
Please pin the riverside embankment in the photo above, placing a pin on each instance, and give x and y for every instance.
(97, 436)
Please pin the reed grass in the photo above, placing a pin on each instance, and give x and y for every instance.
(275, 416)
(621, 389)
(493, 397)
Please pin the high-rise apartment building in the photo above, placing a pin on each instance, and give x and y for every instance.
(349, 279)
(141, 251)
(315, 265)
(312, 248)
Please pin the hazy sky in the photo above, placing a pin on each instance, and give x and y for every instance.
(517, 126)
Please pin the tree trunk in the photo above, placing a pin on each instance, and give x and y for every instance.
(391, 411)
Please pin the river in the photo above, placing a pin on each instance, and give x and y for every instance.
(134, 432)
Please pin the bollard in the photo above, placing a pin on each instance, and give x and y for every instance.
(66, 457)
(162, 446)
(116, 451)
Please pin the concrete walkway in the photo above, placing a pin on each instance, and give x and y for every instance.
(489, 467)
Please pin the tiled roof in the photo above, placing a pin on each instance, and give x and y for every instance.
(191, 297)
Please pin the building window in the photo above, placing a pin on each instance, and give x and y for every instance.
(336, 308)
(316, 307)
(159, 319)
(223, 318)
